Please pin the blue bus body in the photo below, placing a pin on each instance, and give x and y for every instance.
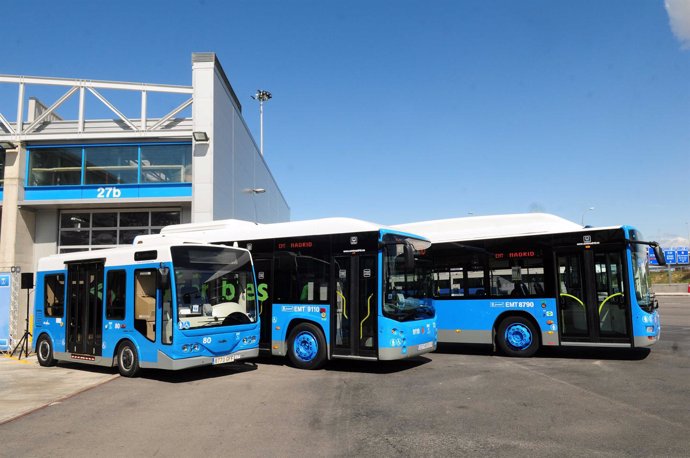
(331, 288)
(584, 287)
(395, 339)
(77, 320)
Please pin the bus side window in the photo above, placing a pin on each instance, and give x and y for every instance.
(53, 301)
(115, 295)
(145, 303)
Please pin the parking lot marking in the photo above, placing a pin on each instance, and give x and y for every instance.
(16, 359)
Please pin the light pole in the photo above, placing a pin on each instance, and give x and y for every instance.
(582, 221)
(254, 192)
(262, 96)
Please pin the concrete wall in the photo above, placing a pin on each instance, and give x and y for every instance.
(230, 165)
(661, 288)
(47, 225)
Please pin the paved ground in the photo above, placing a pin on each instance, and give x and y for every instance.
(458, 401)
(25, 386)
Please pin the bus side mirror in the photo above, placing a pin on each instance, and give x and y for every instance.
(164, 278)
(659, 254)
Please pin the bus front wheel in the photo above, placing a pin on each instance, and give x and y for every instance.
(44, 351)
(306, 346)
(127, 360)
(517, 336)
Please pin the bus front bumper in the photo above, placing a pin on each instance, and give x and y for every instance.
(392, 353)
(167, 363)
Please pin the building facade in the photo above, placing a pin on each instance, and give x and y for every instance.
(70, 183)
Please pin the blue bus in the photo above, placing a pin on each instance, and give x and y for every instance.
(331, 288)
(165, 306)
(524, 281)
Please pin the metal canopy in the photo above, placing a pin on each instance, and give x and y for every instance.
(46, 127)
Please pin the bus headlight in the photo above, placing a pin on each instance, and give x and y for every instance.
(185, 348)
(650, 329)
(195, 347)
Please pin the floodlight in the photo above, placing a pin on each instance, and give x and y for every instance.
(201, 137)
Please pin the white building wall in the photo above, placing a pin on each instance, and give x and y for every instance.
(202, 153)
(47, 225)
(224, 170)
(230, 166)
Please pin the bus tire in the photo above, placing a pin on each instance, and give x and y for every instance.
(127, 360)
(44, 351)
(517, 336)
(306, 347)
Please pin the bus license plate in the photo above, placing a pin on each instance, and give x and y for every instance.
(424, 346)
(224, 359)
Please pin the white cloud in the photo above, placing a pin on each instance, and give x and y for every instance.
(679, 16)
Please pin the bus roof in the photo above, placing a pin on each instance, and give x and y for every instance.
(491, 226)
(121, 255)
(231, 230)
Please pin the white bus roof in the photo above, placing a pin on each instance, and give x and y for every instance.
(121, 255)
(491, 226)
(231, 230)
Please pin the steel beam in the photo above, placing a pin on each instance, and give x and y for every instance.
(112, 108)
(6, 123)
(173, 89)
(167, 117)
(52, 108)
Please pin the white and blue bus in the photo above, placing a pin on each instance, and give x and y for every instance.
(331, 288)
(165, 306)
(530, 280)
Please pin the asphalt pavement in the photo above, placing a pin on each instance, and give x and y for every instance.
(458, 401)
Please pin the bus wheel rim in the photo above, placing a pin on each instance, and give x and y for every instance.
(306, 347)
(44, 350)
(127, 359)
(518, 336)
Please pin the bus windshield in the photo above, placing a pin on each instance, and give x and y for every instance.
(640, 266)
(214, 286)
(407, 285)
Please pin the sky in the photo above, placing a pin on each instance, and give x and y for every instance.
(401, 111)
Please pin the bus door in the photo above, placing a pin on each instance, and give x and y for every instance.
(262, 267)
(355, 310)
(592, 301)
(85, 307)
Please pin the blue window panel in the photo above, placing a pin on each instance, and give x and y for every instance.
(110, 164)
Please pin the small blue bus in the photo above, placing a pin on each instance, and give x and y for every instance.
(330, 288)
(165, 306)
(520, 282)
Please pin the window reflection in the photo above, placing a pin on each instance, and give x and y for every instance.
(108, 165)
(111, 165)
(166, 163)
(55, 167)
(2, 167)
(106, 229)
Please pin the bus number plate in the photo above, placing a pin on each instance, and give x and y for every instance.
(424, 346)
(224, 359)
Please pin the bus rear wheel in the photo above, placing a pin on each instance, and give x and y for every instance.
(127, 360)
(517, 336)
(306, 346)
(44, 351)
